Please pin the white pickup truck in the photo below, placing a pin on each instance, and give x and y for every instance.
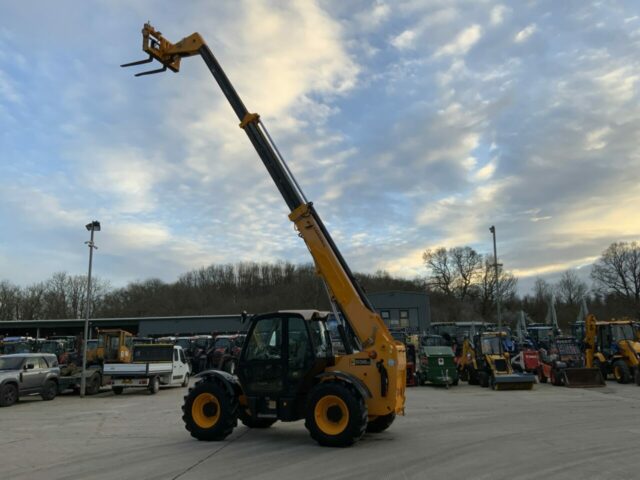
(153, 365)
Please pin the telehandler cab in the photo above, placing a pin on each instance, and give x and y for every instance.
(287, 370)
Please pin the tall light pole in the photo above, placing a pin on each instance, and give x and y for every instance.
(492, 229)
(92, 227)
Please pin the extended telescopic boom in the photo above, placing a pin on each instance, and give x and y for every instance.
(329, 261)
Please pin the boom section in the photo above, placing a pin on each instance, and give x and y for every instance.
(330, 264)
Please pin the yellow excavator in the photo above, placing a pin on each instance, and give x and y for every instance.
(287, 370)
(612, 346)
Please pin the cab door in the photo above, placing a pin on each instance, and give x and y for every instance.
(261, 367)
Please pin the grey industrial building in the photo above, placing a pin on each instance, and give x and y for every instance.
(400, 309)
(409, 310)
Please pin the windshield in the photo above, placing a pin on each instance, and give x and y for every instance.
(49, 347)
(444, 329)
(11, 363)
(490, 345)
(183, 342)
(433, 341)
(19, 347)
(622, 332)
(202, 342)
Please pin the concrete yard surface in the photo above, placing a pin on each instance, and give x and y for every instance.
(464, 432)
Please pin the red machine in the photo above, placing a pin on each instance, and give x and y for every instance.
(528, 360)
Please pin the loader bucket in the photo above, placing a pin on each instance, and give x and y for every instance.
(583, 377)
(514, 381)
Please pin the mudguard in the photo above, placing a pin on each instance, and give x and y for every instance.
(355, 381)
(231, 382)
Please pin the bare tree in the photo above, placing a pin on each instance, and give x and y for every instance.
(570, 289)
(442, 273)
(453, 272)
(507, 285)
(10, 298)
(617, 271)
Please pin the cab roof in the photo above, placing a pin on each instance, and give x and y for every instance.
(308, 314)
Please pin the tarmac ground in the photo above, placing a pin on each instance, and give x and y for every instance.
(463, 432)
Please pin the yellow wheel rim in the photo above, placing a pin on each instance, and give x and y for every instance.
(331, 414)
(205, 410)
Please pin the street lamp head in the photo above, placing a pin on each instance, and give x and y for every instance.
(95, 226)
(492, 229)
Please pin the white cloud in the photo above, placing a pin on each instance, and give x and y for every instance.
(525, 33)
(497, 14)
(463, 42)
(404, 40)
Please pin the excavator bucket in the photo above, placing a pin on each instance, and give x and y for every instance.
(514, 382)
(583, 377)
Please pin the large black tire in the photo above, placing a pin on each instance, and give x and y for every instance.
(117, 390)
(49, 390)
(8, 395)
(252, 422)
(336, 414)
(556, 377)
(94, 382)
(380, 424)
(621, 371)
(210, 412)
(154, 385)
(637, 375)
(483, 379)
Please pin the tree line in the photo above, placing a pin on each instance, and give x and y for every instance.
(462, 285)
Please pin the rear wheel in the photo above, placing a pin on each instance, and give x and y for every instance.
(49, 390)
(483, 379)
(381, 423)
(621, 371)
(154, 385)
(8, 395)
(336, 414)
(210, 412)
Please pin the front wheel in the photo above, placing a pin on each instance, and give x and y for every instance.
(210, 412)
(621, 372)
(49, 390)
(381, 423)
(336, 414)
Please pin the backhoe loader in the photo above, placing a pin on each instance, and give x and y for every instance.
(612, 347)
(287, 370)
(484, 362)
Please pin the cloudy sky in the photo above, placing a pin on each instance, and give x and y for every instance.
(411, 125)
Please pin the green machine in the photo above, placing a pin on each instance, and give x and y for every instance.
(436, 363)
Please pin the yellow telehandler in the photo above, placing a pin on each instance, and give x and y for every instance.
(287, 370)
